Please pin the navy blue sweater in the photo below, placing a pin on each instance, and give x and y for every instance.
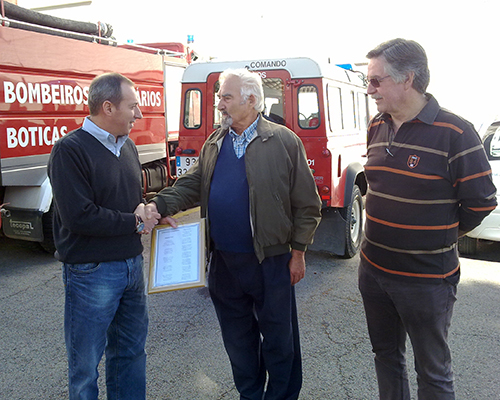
(95, 195)
(229, 204)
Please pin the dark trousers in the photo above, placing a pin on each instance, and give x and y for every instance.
(423, 310)
(255, 304)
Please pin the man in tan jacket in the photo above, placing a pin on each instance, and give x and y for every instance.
(254, 185)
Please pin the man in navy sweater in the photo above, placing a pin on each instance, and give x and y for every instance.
(98, 218)
(253, 182)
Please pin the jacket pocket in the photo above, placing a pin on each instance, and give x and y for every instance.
(280, 225)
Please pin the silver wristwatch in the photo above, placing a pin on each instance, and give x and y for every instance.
(139, 227)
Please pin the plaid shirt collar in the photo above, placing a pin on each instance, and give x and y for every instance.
(240, 142)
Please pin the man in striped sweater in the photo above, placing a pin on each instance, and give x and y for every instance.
(429, 183)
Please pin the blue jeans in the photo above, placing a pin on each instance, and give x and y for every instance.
(106, 310)
(423, 310)
(255, 304)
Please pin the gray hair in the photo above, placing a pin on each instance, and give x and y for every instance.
(106, 87)
(404, 56)
(251, 84)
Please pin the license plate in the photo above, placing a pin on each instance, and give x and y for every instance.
(184, 163)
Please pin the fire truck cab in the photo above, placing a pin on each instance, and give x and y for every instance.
(326, 106)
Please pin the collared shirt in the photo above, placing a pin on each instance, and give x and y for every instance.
(240, 142)
(107, 139)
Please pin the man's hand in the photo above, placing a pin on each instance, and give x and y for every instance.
(151, 209)
(149, 218)
(297, 266)
(169, 221)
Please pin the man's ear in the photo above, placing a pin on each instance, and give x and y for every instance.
(409, 80)
(251, 100)
(107, 107)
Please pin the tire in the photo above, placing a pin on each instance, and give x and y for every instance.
(48, 232)
(353, 214)
(467, 246)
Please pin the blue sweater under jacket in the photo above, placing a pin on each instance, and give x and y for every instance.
(229, 204)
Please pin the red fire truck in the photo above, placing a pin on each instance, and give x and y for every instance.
(326, 106)
(44, 82)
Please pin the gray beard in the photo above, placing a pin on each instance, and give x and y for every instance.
(226, 122)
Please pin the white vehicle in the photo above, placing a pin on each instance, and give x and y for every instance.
(325, 105)
(489, 229)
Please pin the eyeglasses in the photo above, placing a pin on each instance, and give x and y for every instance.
(375, 82)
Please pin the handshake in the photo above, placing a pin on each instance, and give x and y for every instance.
(151, 217)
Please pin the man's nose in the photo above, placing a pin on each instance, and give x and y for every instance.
(138, 113)
(371, 89)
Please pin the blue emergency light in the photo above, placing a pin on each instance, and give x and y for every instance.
(345, 66)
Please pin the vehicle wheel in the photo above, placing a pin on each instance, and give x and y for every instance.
(48, 232)
(467, 246)
(353, 214)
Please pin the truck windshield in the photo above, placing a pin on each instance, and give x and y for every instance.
(273, 101)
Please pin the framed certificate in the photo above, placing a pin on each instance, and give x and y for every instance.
(177, 258)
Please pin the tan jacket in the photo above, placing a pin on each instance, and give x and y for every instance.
(285, 208)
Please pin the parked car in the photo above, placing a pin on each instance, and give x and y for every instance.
(490, 227)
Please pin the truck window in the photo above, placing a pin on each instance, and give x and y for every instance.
(363, 110)
(348, 116)
(215, 103)
(273, 100)
(308, 107)
(334, 100)
(192, 109)
(355, 109)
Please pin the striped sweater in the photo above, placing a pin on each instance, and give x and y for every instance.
(425, 183)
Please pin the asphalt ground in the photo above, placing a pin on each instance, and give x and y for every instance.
(186, 357)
